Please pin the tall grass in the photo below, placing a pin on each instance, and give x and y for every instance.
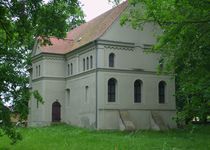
(64, 137)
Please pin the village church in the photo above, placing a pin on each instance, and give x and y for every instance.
(101, 76)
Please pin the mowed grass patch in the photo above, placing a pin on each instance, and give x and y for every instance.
(64, 137)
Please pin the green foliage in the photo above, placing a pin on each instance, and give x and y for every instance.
(38, 97)
(115, 2)
(20, 23)
(184, 45)
(65, 137)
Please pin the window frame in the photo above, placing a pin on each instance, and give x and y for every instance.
(138, 91)
(111, 60)
(87, 63)
(83, 64)
(68, 69)
(112, 90)
(91, 61)
(162, 92)
(71, 68)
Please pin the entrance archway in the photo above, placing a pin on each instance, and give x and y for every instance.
(56, 112)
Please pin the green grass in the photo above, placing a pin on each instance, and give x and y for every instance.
(64, 137)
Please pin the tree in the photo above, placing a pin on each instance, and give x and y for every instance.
(185, 48)
(20, 23)
(114, 2)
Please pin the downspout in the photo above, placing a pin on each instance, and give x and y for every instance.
(96, 69)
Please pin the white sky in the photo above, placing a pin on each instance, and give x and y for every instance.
(93, 8)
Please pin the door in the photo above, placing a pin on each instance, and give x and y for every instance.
(56, 112)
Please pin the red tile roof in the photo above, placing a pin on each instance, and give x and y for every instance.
(85, 33)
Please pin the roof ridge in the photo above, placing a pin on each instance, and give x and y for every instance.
(107, 12)
(110, 10)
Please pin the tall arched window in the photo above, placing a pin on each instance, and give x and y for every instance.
(71, 69)
(161, 62)
(161, 91)
(83, 64)
(111, 60)
(91, 62)
(112, 90)
(68, 70)
(87, 61)
(67, 96)
(137, 91)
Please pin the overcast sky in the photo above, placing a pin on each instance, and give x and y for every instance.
(93, 8)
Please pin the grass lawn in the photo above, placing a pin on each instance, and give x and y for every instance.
(64, 137)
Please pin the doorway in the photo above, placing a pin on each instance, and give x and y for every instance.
(56, 112)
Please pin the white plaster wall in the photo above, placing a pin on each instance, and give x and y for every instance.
(138, 58)
(147, 35)
(84, 55)
(53, 91)
(36, 113)
(77, 60)
(78, 111)
(54, 67)
(34, 70)
(125, 90)
(109, 119)
(139, 112)
(129, 59)
(74, 61)
(54, 81)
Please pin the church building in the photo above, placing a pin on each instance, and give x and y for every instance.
(102, 76)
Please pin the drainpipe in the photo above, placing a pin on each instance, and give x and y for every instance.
(96, 69)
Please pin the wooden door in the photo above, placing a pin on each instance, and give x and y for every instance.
(56, 112)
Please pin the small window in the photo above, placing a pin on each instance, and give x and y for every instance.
(68, 96)
(91, 62)
(111, 60)
(86, 94)
(161, 62)
(84, 64)
(161, 91)
(112, 90)
(37, 104)
(36, 71)
(39, 70)
(68, 70)
(137, 91)
(71, 69)
(87, 62)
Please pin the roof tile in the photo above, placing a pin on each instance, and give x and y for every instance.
(85, 33)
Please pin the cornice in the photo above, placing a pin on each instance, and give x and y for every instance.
(47, 56)
(140, 109)
(116, 45)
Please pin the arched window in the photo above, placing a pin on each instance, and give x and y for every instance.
(137, 91)
(83, 64)
(87, 61)
(112, 90)
(91, 62)
(161, 62)
(39, 71)
(68, 96)
(71, 69)
(36, 71)
(161, 91)
(111, 60)
(68, 70)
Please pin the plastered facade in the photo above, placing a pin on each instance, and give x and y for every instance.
(83, 94)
